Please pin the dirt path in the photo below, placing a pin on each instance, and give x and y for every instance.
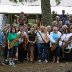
(35, 67)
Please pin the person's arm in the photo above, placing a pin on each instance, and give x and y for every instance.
(28, 39)
(3, 40)
(8, 45)
(35, 39)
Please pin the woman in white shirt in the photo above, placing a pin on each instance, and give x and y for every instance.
(66, 37)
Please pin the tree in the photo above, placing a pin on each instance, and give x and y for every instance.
(46, 11)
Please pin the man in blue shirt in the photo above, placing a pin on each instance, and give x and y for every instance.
(63, 17)
(2, 38)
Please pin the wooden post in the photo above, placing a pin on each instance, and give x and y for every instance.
(9, 18)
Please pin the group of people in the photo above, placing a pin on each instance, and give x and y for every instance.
(44, 43)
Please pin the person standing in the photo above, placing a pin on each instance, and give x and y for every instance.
(42, 46)
(2, 38)
(31, 43)
(63, 17)
(67, 44)
(22, 43)
(6, 32)
(12, 51)
(55, 35)
(22, 18)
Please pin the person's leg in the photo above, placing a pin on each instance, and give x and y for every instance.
(14, 53)
(45, 53)
(31, 54)
(58, 50)
(10, 56)
(20, 53)
(54, 55)
(5, 53)
(40, 50)
(27, 53)
(49, 51)
(35, 51)
(23, 52)
(1, 54)
(71, 55)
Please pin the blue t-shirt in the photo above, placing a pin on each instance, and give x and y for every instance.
(2, 37)
(64, 18)
(55, 36)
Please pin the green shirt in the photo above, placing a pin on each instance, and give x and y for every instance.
(12, 36)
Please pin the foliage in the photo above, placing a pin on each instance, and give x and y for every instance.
(16, 1)
(58, 2)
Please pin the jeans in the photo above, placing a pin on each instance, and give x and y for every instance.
(12, 52)
(42, 47)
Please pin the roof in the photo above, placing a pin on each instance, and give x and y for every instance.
(20, 8)
(32, 9)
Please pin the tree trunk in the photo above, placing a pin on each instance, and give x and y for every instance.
(46, 12)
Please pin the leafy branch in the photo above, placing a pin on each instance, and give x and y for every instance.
(58, 2)
(16, 1)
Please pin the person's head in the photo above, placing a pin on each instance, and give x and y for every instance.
(55, 23)
(53, 12)
(17, 29)
(49, 28)
(8, 27)
(5, 29)
(13, 30)
(32, 29)
(55, 29)
(42, 28)
(67, 30)
(70, 28)
(70, 18)
(63, 11)
(25, 26)
(60, 24)
(64, 27)
(21, 28)
(57, 18)
(22, 13)
(35, 26)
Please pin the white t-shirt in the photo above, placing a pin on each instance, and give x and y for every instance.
(39, 37)
(40, 40)
(65, 37)
(21, 39)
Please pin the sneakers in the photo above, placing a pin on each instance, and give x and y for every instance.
(2, 63)
(39, 61)
(13, 64)
(10, 64)
(45, 61)
(57, 62)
